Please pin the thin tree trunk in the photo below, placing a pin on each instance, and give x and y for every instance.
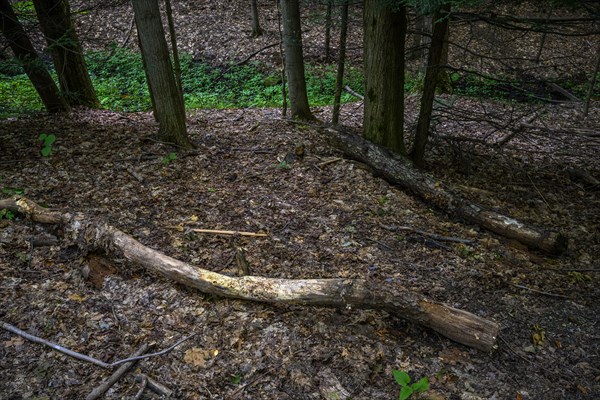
(384, 38)
(328, 32)
(432, 74)
(34, 67)
(282, 53)
(168, 105)
(176, 63)
(56, 24)
(256, 29)
(294, 60)
(339, 84)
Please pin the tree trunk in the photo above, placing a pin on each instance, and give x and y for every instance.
(432, 74)
(256, 29)
(385, 33)
(455, 324)
(34, 67)
(339, 84)
(328, 32)
(56, 24)
(398, 170)
(294, 60)
(168, 106)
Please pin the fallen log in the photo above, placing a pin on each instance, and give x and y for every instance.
(400, 171)
(458, 325)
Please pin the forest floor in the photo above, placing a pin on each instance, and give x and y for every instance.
(324, 219)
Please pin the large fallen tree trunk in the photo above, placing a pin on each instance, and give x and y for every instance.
(400, 171)
(455, 324)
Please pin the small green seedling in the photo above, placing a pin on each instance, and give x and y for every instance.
(172, 156)
(407, 389)
(46, 142)
(283, 165)
(10, 191)
(6, 214)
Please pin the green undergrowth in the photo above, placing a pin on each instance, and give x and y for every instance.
(120, 84)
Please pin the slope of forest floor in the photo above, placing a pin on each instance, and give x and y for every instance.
(324, 220)
(326, 217)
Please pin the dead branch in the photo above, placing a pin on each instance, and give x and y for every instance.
(80, 356)
(400, 171)
(122, 370)
(458, 325)
(153, 385)
(433, 236)
(353, 93)
(220, 232)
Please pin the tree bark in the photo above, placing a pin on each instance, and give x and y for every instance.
(256, 29)
(400, 171)
(384, 37)
(294, 60)
(432, 74)
(167, 103)
(339, 84)
(56, 24)
(458, 325)
(34, 67)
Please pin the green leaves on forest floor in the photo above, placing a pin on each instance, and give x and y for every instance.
(120, 83)
(406, 388)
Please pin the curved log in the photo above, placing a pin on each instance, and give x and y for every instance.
(400, 171)
(458, 325)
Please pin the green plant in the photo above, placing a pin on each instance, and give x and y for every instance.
(46, 144)
(172, 156)
(283, 165)
(406, 388)
(236, 379)
(10, 191)
(6, 214)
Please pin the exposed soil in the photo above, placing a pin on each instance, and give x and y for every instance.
(328, 220)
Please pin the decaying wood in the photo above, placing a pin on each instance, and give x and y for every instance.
(155, 386)
(458, 325)
(122, 370)
(400, 171)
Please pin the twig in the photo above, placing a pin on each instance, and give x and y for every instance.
(108, 383)
(428, 234)
(156, 387)
(219, 232)
(245, 60)
(538, 190)
(353, 93)
(330, 161)
(541, 292)
(80, 356)
(140, 392)
(134, 173)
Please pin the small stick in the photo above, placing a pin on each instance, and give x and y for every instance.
(219, 232)
(428, 234)
(140, 392)
(122, 370)
(135, 174)
(541, 292)
(156, 387)
(330, 161)
(80, 356)
(353, 93)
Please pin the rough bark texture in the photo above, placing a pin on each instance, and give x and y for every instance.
(339, 85)
(385, 32)
(294, 60)
(56, 24)
(432, 73)
(458, 325)
(34, 67)
(256, 29)
(168, 106)
(400, 171)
